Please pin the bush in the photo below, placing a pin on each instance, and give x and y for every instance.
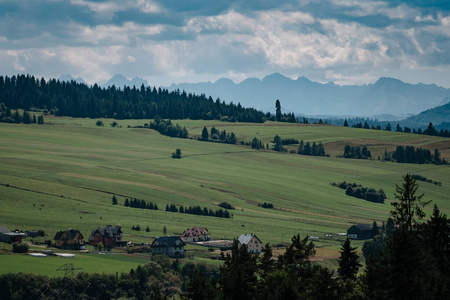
(20, 248)
(226, 205)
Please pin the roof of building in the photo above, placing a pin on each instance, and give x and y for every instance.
(244, 239)
(71, 233)
(363, 227)
(195, 231)
(166, 241)
(107, 231)
(4, 229)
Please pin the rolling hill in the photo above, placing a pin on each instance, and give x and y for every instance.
(63, 175)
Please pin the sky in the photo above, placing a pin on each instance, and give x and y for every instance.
(173, 41)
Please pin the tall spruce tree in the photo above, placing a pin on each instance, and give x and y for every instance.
(278, 110)
(409, 207)
(348, 261)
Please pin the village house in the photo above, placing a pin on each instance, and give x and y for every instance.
(171, 246)
(253, 243)
(109, 236)
(195, 234)
(9, 237)
(69, 239)
(360, 232)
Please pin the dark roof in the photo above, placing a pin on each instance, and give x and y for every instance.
(72, 233)
(195, 231)
(108, 231)
(167, 241)
(363, 227)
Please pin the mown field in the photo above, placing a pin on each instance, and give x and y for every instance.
(63, 175)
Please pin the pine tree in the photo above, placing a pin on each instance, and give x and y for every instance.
(278, 110)
(410, 207)
(114, 200)
(348, 262)
(205, 134)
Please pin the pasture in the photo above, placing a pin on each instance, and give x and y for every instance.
(63, 175)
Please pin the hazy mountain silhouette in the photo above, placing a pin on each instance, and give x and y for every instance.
(68, 78)
(119, 81)
(438, 116)
(303, 96)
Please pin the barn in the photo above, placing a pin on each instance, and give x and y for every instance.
(360, 232)
(7, 236)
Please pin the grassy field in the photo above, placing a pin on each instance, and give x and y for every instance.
(63, 175)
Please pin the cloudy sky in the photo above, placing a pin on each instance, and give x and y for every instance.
(165, 41)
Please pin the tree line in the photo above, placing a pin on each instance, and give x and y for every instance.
(79, 100)
(357, 152)
(412, 155)
(199, 211)
(136, 203)
(7, 116)
(377, 125)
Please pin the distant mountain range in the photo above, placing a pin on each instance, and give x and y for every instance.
(305, 97)
(68, 77)
(119, 81)
(387, 99)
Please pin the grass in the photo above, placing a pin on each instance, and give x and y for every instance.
(62, 175)
(90, 263)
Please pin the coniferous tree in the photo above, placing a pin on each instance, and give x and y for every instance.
(239, 280)
(348, 261)
(205, 134)
(278, 110)
(409, 207)
(114, 200)
(278, 145)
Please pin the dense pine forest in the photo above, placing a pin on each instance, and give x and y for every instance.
(80, 101)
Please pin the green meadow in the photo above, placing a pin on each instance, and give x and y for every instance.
(63, 175)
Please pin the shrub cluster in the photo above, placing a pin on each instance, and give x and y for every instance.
(20, 248)
(165, 127)
(423, 178)
(361, 192)
(226, 205)
(266, 205)
(289, 141)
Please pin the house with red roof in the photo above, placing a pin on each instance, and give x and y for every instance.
(195, 234)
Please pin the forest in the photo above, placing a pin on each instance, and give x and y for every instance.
(80, 101)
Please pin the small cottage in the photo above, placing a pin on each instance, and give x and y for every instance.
(360, 232)
(195, 234)
(109, 236)
(171, 246)
(9, 237)
(69, 239)
(253, 243)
